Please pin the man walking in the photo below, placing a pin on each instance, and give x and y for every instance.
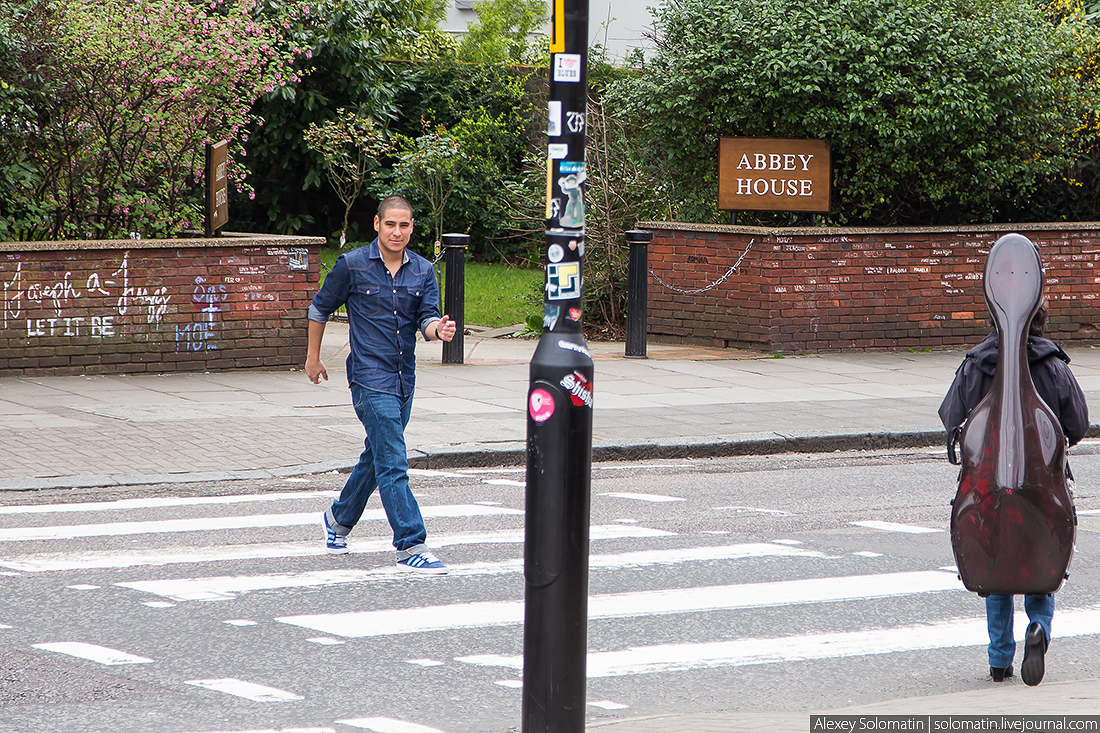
(1056, 385)
(390, 293)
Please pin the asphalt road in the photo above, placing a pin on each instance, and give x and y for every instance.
(780, 583)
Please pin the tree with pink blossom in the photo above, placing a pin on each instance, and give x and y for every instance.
(125, 94)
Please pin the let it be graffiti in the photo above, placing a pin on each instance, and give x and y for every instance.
(23, 298)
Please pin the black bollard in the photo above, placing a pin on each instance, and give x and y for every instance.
(636, 299)
(559, 412)
(454, 294)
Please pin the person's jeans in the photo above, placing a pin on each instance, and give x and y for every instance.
(383, 464)
(998, 616)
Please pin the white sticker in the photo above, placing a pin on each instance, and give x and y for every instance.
(567, 67)
(554, 253)
(557, 151)
(553, 126)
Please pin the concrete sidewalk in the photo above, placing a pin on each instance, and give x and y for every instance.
(682, 401)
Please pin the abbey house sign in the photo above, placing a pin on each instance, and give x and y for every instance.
(773, 174)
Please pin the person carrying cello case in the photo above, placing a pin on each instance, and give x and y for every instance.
(1012, 410)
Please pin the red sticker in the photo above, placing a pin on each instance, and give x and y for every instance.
(579, 388)
(574, 314)
(541, 405)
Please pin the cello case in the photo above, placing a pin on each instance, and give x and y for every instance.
(1013, 523)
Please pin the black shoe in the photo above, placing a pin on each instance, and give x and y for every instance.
(1035, 647)
(1000, 673)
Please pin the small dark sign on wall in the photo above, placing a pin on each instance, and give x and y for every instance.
(773, 174)
(217, 186)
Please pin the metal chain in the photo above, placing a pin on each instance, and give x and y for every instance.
(714, 284)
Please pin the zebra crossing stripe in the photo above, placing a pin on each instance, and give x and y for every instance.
(248, 690)
(206, 524)
(93, 652)
(895, 527)
(46, 562)
(388, 725)
(162, 502)
(227, 587)
(745, 652)
(628, 605)
(655, 498)
(274, 730)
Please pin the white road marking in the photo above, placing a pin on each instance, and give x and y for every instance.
(642, 467)
(207, 524)
(388, 725)
(242, 622)
(792, 543)
(895, 527)
(328, 641)
(45, 562)
(511, 684)
(1089, 511)
(503, 482)
(159, 604)
(83, 586)
(482, 614)
(753, 510)
(608, 705)
(868, 553)
(744, 652)
(275, 730)
(92, 652)
(153, 503)
(657, 498)
(227, 587)
(248, 690)
(424, 662)
(436, 474)
(5, 626)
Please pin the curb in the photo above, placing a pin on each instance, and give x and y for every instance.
(514, 453)
(760, 444)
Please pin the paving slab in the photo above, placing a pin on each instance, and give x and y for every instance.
(681, 401)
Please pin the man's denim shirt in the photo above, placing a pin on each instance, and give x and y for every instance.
(383, 315)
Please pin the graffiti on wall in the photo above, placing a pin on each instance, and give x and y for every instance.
(62, 298)
(202, 334)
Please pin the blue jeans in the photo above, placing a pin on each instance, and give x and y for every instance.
(998, 616)
(383, 464)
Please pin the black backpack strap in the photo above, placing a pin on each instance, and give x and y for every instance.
(952, 440)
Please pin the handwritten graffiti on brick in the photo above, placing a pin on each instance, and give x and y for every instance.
(201, 335)
(61, 297)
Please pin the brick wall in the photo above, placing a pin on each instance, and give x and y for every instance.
(830, 289)
(155, 305)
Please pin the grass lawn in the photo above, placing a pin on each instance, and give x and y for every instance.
(496, 295)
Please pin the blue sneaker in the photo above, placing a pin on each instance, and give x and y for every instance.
(422, 561)
(336, 544)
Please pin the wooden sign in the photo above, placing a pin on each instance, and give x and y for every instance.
(217, 187)
(773, 174)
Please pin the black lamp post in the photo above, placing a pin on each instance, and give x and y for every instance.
(559, 412)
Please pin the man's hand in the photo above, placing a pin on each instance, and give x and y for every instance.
(315, 369)
(445, 328)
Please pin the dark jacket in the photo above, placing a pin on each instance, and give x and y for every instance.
(1049, 371)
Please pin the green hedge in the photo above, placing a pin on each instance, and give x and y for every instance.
(938, 111)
